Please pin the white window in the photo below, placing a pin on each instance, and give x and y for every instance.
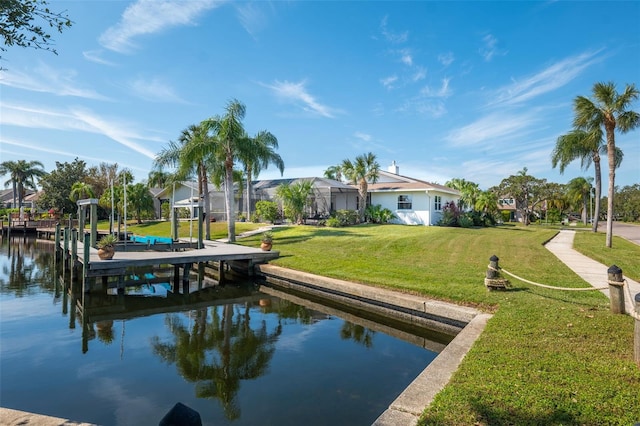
(404, 202)
(437, 203)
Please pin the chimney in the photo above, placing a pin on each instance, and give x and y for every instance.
(393, 168)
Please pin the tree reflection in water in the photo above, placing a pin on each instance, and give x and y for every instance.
(219, 351)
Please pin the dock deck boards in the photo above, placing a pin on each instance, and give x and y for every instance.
(212, 251)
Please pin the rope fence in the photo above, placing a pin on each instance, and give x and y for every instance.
(493, 281)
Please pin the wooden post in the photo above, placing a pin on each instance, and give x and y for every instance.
(65, 253)
(616, 289)
(636, 332)
(85, 265)
(492, 270)
(74, 253)
(57, 239)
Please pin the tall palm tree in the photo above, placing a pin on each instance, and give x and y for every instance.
(578, 191)
(361, 172)
(228, 133)
(608, 109)
(256, 154)
(586, 146)
(190, 156)
(21, 176)
(158, 178)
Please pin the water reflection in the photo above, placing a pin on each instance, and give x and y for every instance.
(218, 350)
(232, 345)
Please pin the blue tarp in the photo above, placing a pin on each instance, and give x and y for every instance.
(150, 239)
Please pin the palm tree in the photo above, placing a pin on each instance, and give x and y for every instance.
(22, 174)
(361, 172)
(158, 179)
(469, 192)
(256, 154)
(294, 199)
(228, 133)
(140, 200)
(333, 172)
(81, 190)
(608, 109)
(578, 191)
(586, 146)
(190, 155)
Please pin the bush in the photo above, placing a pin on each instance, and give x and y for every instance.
(347, 217)
(333, 222)
(377, 214)
(267, 211)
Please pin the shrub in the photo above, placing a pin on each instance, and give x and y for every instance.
(347, 217)
(377, 214)
(267, 211)
(333, 222)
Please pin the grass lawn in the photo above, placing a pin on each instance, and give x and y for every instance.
(546, 357)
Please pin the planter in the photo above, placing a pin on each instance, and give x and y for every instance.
(265, 246)
(106, 253)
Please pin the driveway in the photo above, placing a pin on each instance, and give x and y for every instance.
(624, 230)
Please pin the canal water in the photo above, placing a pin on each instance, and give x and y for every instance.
(232, 353)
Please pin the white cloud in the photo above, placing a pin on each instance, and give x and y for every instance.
(297, 93)
(154, 89)
(490, 48)
(442, 92)
(44, 79)
(490, 129)
(547, 80)
(420, 74)
(388, 82)
(405, 57)
(363, 136)
(251, 15)
(391, 36)
(150, 17)
(446, 59)
(96, 56)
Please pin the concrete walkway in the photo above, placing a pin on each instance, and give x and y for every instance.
(595, 273)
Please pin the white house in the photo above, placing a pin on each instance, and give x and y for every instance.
(413, 201)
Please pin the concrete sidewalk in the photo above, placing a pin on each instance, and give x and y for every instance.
(595, 273)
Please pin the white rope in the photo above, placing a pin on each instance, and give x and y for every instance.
(633, 312)
(548, 286)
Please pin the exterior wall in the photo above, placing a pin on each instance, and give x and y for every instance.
(422, 210)
(419, 214)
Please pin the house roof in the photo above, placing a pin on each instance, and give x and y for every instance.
(317, 182)
(391, 182)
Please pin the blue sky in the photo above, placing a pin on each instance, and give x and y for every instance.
(474, 90)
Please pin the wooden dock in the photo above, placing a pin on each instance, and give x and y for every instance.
(180, 258)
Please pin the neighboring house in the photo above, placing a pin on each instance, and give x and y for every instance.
(328, 195)
(186, 195)
(413, 201)
(6, 198)
(508, 204)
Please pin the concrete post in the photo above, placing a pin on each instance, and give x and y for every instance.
(616, 290)
(492, 270)
(636, 332)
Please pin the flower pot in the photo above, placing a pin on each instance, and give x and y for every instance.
(265, 246)
(106, 253)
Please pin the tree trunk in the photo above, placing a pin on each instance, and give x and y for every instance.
(248, 194)
(598, 196)
(207, 208)
(585, 209)
(231, 219)
(611, 156)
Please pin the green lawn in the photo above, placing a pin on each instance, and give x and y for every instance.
(163, 228)
(546, 357)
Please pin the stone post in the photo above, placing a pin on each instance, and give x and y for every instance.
(492, 270)
(636, 332)
(616, 289)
